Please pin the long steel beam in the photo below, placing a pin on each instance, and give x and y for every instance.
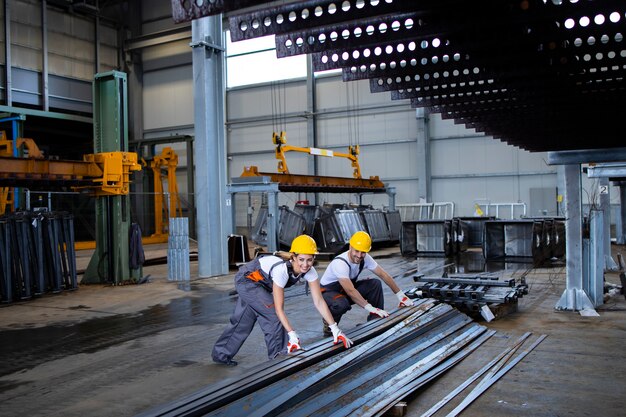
(318, 183)
(218, 395)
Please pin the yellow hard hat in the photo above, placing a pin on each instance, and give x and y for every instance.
(361, 241)
(304, 244)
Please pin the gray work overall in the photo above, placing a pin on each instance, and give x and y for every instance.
(255, 303)
(338, 301)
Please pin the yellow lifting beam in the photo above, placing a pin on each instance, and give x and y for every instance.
(280, 140)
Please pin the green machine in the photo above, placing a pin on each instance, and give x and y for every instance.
(111, 261)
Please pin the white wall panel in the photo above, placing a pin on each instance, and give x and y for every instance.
(367, 126)
(332, 93)
(483, 155)
(440, 128)
(384, 161)
(166, 56)
(465, 192)
(265, 100)
(476, 155)
(254, 138)
(168, 98)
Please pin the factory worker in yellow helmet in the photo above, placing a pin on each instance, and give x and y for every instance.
(261, 285)
(341, 286)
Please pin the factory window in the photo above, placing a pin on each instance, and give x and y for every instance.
(254, 61)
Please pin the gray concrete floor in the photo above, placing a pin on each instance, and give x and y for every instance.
(118, 351)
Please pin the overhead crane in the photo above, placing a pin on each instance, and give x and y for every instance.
(316, 183)
(253, 180)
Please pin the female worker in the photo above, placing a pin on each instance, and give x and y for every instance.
(261, 286)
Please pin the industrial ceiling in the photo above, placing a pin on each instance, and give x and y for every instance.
(542, 75)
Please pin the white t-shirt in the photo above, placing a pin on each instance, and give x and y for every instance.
(280, 275)
(339, 269)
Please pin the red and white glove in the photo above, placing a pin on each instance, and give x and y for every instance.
(404, 300)
(294, 342)
(373, 310)
(339, 337)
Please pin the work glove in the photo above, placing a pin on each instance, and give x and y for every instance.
(339, 337)
(294, 342)
(404, 300)
(373, 310)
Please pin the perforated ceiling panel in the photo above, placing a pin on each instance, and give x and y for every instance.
(538, 74)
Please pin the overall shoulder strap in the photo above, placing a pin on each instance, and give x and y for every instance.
(361, 265)
(289, 267)
(291, 277)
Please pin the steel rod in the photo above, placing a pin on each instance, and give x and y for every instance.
(475, 393)
(474, 377)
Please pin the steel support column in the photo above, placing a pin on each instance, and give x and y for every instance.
(213, 217)
(423, 155)
(311, 121)
(605, 206)
(573, 298)
(593, 282)
(560, 186)
(8, 64)
(45, 99)
(134, 68)
(391, 193)
(621, 234)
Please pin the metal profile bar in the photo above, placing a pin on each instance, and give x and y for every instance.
(473, 378)
(312, 183)
(348, 362)
(483, 387)
(218, 395)
(362, 405)
(328, 393)
(411, 386)
(291, 394)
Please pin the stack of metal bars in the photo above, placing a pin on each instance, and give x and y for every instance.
(37, 254)
(402, 353)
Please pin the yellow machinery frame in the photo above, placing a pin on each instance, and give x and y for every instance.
(6, 150)
(167, 159)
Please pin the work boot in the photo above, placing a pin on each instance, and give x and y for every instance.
(326, 329)
(228, 362)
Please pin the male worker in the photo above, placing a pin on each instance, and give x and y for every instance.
(341, 287)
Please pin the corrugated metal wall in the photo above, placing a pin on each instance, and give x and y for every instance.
(71, 55)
